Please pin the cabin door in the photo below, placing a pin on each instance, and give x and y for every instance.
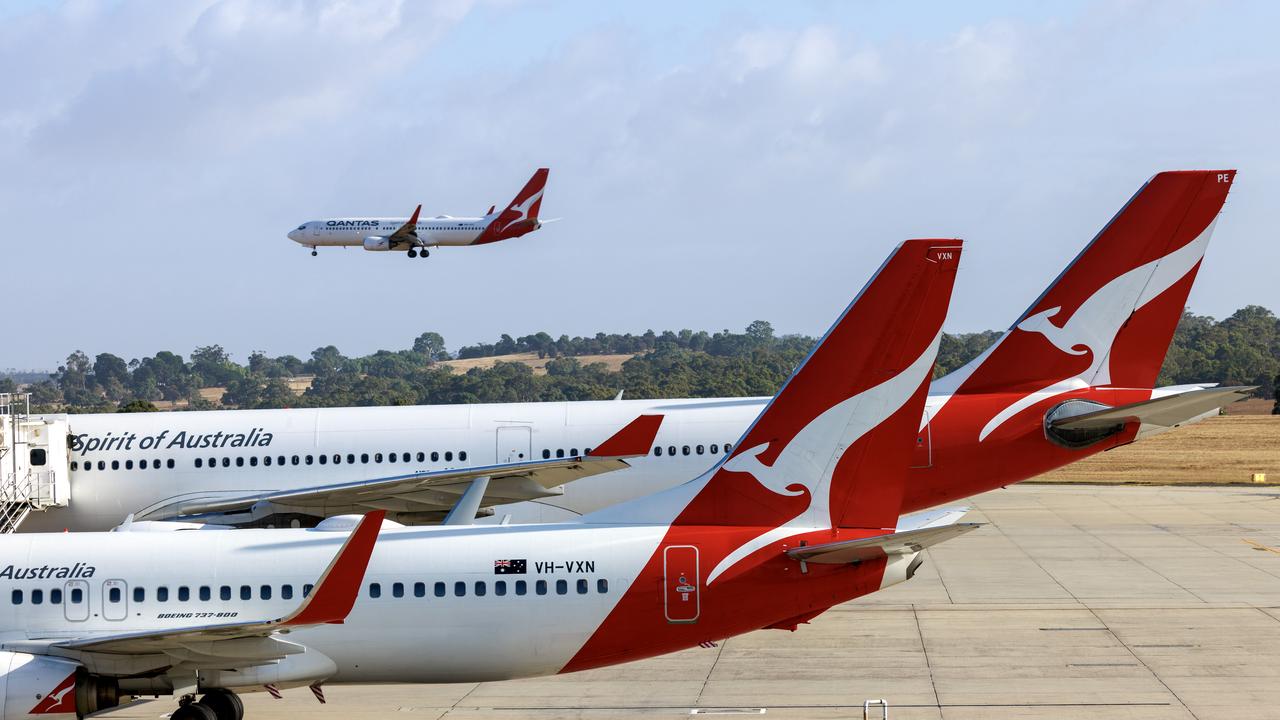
(680, 582)
(75, 600)
(514, 444)
(115, 600)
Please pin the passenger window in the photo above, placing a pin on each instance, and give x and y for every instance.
(240, 462)
(448, 456)
(499, 587)
(294, 460)
(459, 588)
(546, 454)
(671, 450)
(246, 592)
(685, 450)
(435, 457)
(199, 463)
(521, 587)
(77, 596)
(264, 592)
(397, 590)
(184, 594)
(169, 463)
(698, 449)
(602, 586)
(266, 460)
(540, 587)
(55, 596)
(582, 586)
(309, 459)
(306, 590)
(75, 465)
(139, 594)
(715, 448)
(37, 597)
(206, 593)
(364, 458)
(224, 592)
(162, 594)
(559, 452)
(102, 465)
(279, 459)
(115, 464)
(375, 590)
(337, 458)
(253, 461)
(462, 455)
(113, 595)
(422, 457)
(39, 456)
(573, 451)
(657, 450)
(377, 457)
(562, 587)
(323, 459)
(439, 589)
(286, 592)
(480, 588)
(351, 459)
(17, 597)
(226, 462)
(419, 589)
(728, 448)
(128, 464)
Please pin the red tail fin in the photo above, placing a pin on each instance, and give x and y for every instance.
(521, 216)
(832, 448)
(1107, 320)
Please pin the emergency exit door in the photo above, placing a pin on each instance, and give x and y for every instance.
(681, 583)
(514, 444)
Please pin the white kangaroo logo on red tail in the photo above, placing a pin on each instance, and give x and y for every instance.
(523, 208)
(802, 463)
(1094, 325)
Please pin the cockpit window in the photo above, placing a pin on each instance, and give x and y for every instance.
(302, 227)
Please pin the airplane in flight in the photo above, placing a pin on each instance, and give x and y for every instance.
(414, 235)
(1074, 375)
(802, 515)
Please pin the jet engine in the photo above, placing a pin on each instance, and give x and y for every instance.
(39, 687)
(376, 243)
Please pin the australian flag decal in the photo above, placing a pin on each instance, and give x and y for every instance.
(510, 567)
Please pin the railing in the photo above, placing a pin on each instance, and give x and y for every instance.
(15, 500)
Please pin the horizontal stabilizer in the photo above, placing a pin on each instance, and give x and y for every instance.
(900, 543)
(1165, 411)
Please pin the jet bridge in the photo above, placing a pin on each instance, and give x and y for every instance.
(35, 472)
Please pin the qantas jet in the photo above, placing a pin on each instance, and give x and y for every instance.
(416, 234)
(804, 514)
(1073, 376)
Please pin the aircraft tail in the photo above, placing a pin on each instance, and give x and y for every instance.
(521, 216)
(1108, 319)
(832, 448)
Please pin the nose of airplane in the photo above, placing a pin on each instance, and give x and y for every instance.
(294, 235)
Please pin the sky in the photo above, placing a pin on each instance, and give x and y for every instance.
(713, 162)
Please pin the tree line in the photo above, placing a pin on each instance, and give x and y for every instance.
(1243, 349)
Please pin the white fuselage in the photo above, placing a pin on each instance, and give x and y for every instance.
(440, 614)
(352, 232)
(203, 454)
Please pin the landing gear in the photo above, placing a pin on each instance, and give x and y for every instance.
(217, 704)
(313, 252)
(425, 252)
(413, 253)
(225, 704)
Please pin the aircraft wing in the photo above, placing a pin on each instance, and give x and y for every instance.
(425, 496)
(1167, 411)
(408, 232)
(899, 543)
(329, 602)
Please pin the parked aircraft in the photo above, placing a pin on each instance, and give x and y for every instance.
(414, 235)
(1073, 376)
(803, 514)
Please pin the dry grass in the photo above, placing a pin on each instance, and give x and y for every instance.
(1217, 451)
(612, 362)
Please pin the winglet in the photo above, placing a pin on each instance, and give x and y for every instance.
(336, 591)
(633, 440)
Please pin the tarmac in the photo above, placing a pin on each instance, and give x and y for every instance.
(1098, 602)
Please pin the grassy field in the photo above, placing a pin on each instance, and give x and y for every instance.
(1217, 451)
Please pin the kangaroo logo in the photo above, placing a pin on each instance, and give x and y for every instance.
(59, 701)
(522, 208)
(1093, 327)
(809, 459)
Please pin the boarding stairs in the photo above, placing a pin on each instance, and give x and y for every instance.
(34, 475)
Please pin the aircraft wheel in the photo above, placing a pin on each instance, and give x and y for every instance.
(413, 253)
(225, 704)
(194, 711)
(425, 252)
(313, 252)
